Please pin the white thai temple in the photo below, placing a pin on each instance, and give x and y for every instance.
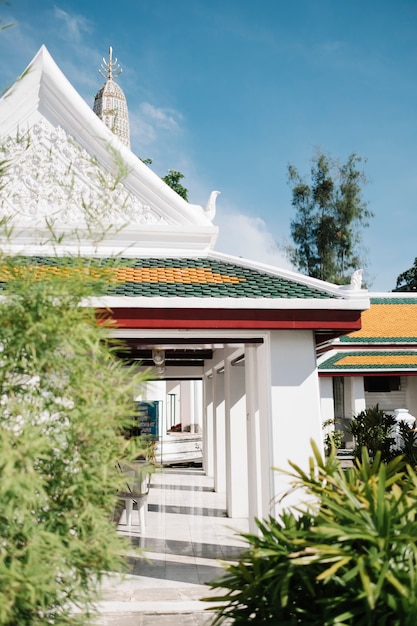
(244, 333)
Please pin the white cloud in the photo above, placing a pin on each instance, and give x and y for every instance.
(152, 127)
(248, 237)
(75, 24)
(161, 118)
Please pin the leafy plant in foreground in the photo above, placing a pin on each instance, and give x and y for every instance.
(63, 401)
(350, 558)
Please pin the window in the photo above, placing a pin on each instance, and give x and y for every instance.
(375, 384)
(339, 397)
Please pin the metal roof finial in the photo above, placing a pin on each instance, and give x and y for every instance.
(110, 69)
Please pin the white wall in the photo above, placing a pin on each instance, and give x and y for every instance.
(295, 404)
(326, 398)
(411, 394)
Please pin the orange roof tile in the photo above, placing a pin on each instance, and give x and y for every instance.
(387, 322)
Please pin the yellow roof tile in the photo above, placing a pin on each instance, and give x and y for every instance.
(377, 359)
(388, 320)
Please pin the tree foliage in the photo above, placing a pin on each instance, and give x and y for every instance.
(173, 178)
(407, 281)
(330, 212)
(64, 399)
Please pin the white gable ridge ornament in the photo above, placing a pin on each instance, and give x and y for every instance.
(66, 161)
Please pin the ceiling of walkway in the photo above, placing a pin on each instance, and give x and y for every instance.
(176, 353)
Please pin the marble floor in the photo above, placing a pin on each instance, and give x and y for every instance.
(186, 534)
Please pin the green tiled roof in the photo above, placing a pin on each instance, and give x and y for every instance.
(187, 277)
(393, 301)
(371, 360)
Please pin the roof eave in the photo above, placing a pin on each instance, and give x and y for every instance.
(160, 302)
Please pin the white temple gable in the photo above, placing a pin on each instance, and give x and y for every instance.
(65, 165)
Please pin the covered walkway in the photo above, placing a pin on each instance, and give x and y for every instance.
(187, 531)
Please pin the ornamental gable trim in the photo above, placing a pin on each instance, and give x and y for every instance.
(42, 111)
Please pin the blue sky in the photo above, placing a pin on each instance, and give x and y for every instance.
(231, 91)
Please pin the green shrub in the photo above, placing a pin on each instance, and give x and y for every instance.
(372, 428)
(63, 401)
(350, 559)
(377, 430)
(333, 437)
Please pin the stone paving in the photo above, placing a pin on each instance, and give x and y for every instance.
(186, 534)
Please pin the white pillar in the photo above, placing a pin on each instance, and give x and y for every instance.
(208, 430)
(258, 453)
(357, 390)
(187, 403)
(173, 403)
(219, 432)
(289, 363)
(197, 422)
(236, 441)
(326, 398)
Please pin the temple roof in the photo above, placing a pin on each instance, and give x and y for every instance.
(388, 320)
(370, 361)
(70, 175)
(186, 278)
(387, 340)
(60, 153)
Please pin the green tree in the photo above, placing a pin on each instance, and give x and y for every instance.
(330, 213)
(407, 281)
(173, 180)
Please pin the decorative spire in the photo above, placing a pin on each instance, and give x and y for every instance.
(110, 69)
(110, 103)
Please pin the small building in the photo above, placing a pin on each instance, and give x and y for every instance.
(376, 365)
(249, 332)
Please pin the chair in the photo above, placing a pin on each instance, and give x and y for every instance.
(137, 489)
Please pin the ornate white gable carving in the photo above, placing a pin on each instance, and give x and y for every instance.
(50, 176)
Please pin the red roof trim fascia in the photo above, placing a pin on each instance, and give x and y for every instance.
(148, 318)
(367, 373)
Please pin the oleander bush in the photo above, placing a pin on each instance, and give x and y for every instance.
(349, 558)
(64, 399)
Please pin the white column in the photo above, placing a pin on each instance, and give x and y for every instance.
(236, 440)
(187, 403)
(326, 398)
(357, 390)
(294, 406)
(173, 402)
(197, 422)
(208, 430)
(257, 439)
(219, 432)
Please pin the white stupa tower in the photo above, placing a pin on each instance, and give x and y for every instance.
(110, 102)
